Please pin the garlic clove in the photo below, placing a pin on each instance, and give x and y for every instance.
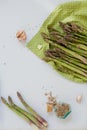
(39, 46)
(21, 35)
(79, 99)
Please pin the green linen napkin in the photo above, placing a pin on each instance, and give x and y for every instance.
(69, 11)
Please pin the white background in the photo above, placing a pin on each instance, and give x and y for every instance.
(21, 70)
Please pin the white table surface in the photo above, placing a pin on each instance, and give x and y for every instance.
(21, 70)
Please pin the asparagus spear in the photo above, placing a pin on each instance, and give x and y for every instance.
(76, 62)
(81, 47)
(74, 54)
(55, 32)
(71, 63)
(75, 40)
(68, 68)
(74, 29)
(61, 39)
(58, 53)
(79, 36)
(65, 27)
(33, 119)
(76, 46)
(20, 114)
(75, 37)
(73, 67)
(64, 59)
(77, 28)
(65, 64)
(68, 71)
(77, 49)
(33, 112)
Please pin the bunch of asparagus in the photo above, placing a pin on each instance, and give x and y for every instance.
(31, 117)
(68, 49)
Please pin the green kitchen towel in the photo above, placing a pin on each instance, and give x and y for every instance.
(69, 11)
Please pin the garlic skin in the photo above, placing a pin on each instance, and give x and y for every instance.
(21, 35)
(79, 99)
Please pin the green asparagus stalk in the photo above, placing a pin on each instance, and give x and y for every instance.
(68, 71)
(76, 43)
(58, 40)
(78, 29)
(81, 47)
(73, 64)
(58, 53)
(66, 28)
(28, 115)
(79, 36)
(65, 64)
(76, 62)
(76, 46)
(73, 28)
(77, 49)
(55, 32)
(74, 54)
(66, 61)
(73, 39)
(33, 112)
(20, 114)
(56, 36)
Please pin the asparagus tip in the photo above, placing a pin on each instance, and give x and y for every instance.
(61, 23)
(10, 100)
(19, 95)
(43, 34)
(3, 100)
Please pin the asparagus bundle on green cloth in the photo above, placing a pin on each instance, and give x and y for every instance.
(65, 29)
(66, 51)
(37, 122)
